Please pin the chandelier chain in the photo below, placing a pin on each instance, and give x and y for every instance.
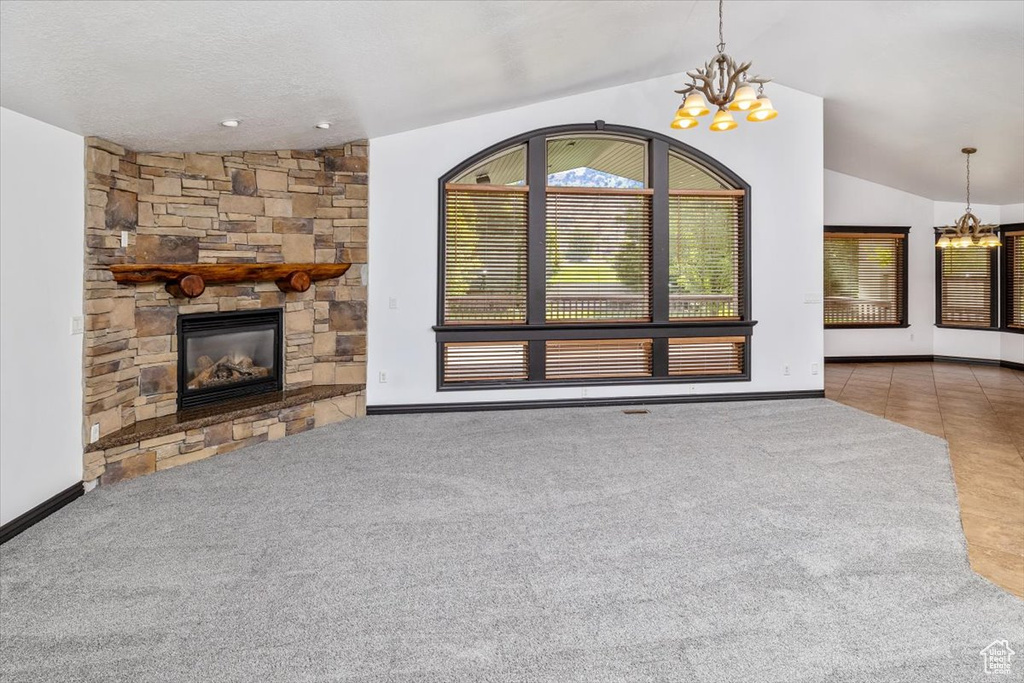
(968, 230)
(721, 32)
(968, 183)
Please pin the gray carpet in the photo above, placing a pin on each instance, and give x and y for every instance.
(773, 541)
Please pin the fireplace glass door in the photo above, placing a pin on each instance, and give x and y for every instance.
(222, 356)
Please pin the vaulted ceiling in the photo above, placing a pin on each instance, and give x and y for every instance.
(906, 84)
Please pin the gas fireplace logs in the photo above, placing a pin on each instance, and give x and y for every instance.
(227, 370)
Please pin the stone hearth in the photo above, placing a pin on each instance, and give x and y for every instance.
(223, 208)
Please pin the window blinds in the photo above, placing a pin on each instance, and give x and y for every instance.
(864, 279)
(568, 256)
(706, 356)
(598, 359)
(965, 293)
(1013, 243)
(485, 361)
(598, 255)
(704, 255)
(485, 254)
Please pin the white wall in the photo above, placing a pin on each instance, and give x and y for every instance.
(42, 200)
(1011, 213)
(852, 201)
(781, 160)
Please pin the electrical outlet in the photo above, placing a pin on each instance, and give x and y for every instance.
(94, 433)
(814, 368)
(382, 377)
(785, 368)
(77, 324)
(124, 238)
(393, 303)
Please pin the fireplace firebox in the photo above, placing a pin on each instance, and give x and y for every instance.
(223, 356)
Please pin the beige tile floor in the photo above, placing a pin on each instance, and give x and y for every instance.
(979, 410)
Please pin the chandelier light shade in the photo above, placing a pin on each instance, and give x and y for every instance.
(744, 99)
(695, 105)
(722, 84)
(764, 111)
(723, 121)
(684, 122)
(968, 230)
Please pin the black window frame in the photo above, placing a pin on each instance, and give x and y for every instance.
(904, 295)
(994, 278)
(660, 329)
(1005, 292)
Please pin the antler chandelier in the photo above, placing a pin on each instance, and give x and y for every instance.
(725, 86)
(968, 229)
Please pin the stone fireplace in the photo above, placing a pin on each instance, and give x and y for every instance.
(166, 382)
(222, 356)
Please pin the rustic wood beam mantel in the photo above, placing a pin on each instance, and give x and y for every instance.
(189, 280)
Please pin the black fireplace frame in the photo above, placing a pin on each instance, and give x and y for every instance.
(208, 324)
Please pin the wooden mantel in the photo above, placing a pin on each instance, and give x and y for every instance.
(190, 280)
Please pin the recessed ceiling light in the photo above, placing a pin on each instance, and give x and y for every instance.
(323, 125)
(230, 123)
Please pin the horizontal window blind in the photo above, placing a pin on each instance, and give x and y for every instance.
(485, 361)
(485, 254)
(705, 279)
(598, 359)
(598, 255)
(706, 356)
(864, 279)
(966, 287)
(1013, 242)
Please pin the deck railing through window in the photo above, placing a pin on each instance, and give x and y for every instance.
(705, 244)
(865, 277)
(598, 254)
(485, 254)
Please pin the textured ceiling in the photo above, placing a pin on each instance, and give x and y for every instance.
(907, 84)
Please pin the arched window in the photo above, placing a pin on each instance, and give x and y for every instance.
(592, 254)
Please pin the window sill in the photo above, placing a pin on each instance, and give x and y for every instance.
(725, 322)
(900, 326)
(566, 331)
(625, 381)
(967, 327)
(1012, 330)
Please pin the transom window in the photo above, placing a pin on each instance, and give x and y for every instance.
(586, 254)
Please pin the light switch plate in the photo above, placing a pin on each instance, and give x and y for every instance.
(77, 324)
(124, 238)
(94, 433)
